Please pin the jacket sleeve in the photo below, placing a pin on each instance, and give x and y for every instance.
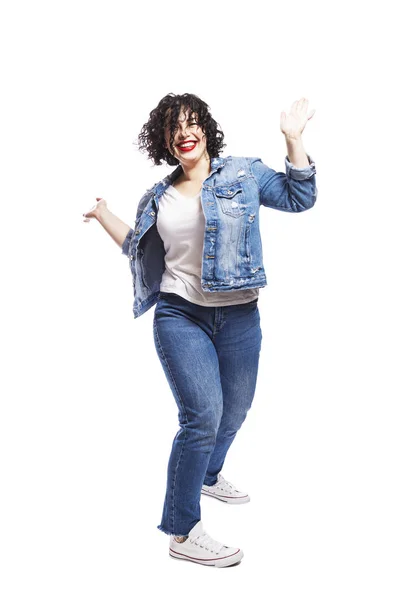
(142, 203)
(294, 191)
(126, 242)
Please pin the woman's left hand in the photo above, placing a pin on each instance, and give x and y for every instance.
(292, 125)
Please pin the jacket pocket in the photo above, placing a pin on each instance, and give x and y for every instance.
(231, 199)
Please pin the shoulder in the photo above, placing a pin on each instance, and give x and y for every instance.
(166, 180)
(240, 160)
(238, 166)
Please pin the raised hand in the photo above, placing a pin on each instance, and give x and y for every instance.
(292, 125)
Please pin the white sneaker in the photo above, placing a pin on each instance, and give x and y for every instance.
(225, 491)
(202, 549)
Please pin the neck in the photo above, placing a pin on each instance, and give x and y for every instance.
(199, 171)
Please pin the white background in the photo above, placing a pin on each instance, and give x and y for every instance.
(87, 417)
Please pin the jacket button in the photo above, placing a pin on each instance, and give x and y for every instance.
(137, 231)
(229, 192)
(152, 213)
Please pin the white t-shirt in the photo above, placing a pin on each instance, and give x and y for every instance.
(181, 223)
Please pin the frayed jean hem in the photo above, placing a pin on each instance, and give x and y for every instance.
(161, 528)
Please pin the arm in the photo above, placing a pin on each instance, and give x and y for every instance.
(296, 152)
(120, 232)
(294, 191)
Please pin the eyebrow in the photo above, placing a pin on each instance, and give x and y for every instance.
(192, 117)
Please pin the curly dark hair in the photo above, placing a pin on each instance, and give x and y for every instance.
(151, 137)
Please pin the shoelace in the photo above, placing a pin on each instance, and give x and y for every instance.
(207, 542)
(225, 486)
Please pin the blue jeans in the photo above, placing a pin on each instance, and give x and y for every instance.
(210, 357)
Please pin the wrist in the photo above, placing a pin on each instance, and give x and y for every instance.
(101, 213)
(293, 139)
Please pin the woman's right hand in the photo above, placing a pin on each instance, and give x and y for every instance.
(94, 212)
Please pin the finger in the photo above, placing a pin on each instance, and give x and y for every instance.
(303, 104)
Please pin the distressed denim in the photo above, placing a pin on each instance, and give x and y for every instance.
(231, 197)
(210, 357)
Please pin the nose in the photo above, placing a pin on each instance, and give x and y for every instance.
(182, 132)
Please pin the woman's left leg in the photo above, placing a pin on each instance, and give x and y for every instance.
(238, 345)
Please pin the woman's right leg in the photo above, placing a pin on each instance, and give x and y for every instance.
(190, 363)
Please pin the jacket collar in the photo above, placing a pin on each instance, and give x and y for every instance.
(216, 162)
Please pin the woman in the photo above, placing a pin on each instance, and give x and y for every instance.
(196, 253)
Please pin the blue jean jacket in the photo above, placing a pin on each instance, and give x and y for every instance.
(232, 251)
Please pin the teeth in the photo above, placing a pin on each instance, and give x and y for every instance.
(187, 144)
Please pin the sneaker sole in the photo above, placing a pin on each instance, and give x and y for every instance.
(228, 499)
(226, 561)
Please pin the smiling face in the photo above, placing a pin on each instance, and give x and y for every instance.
(190, 142)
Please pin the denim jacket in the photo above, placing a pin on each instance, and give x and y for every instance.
(232, 252)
